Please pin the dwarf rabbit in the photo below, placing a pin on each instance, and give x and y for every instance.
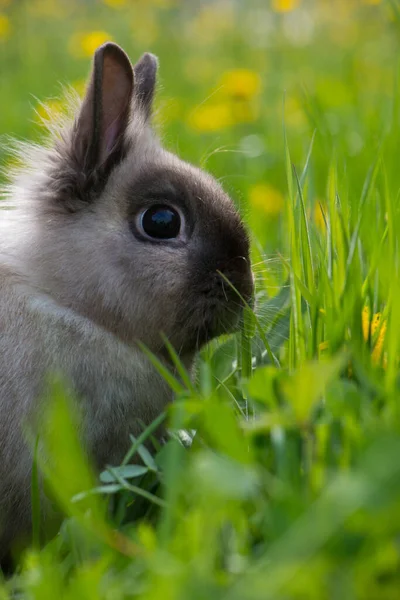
(108, 239)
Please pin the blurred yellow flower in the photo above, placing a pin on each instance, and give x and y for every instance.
(220, 115)
(285, 5)
(84, 44)
(370, 327)
(244, 112)
(234, 102)
(211, 117)
(116, 3)
(5, 27)
(319, 211)
(266, 199)
(241, 83)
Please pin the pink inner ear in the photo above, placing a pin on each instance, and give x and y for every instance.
(116, 89)
(110, 138)
(105, 110)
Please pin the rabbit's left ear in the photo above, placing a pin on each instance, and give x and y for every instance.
(145, 71)
(101, 123)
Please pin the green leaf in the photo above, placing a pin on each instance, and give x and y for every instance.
(125, 472)
(308, 384)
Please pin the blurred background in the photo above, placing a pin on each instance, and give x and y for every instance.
(232, 72)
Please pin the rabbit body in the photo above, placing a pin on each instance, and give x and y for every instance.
(110, 240)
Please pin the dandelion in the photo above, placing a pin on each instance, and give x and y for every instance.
(284, 6)
(84, 44)
(241, 83)
(266, 199)
(211, 117)
(5, 27)
(116, 3)
(234, 102)
(371, 327)
(244, 112)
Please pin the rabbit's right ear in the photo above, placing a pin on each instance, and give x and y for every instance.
(99, 128)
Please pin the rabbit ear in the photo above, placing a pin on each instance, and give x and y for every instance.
(99, 129)
(145, 71)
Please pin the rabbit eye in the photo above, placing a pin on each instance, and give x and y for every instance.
(161, 222)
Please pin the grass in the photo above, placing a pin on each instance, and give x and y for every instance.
(281, 477)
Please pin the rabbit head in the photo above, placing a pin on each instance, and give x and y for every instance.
(129, 235)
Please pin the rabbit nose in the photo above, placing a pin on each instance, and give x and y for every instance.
(239, 274)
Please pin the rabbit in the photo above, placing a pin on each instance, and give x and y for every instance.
(106, 240)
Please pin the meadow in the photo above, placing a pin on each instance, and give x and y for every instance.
(281, 475)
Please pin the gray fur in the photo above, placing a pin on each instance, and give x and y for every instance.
(79, 287)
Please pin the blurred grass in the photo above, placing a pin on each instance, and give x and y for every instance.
(291, 485)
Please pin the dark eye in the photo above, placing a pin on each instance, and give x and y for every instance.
(161, 222)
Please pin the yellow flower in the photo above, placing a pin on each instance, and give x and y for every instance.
(370, 327)
(241, 83)
(84, 44)
(285, 5)
(244, 112)
(319, 211)
(115, 3)
(266, 199)
(211, 117)
(5, 27)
